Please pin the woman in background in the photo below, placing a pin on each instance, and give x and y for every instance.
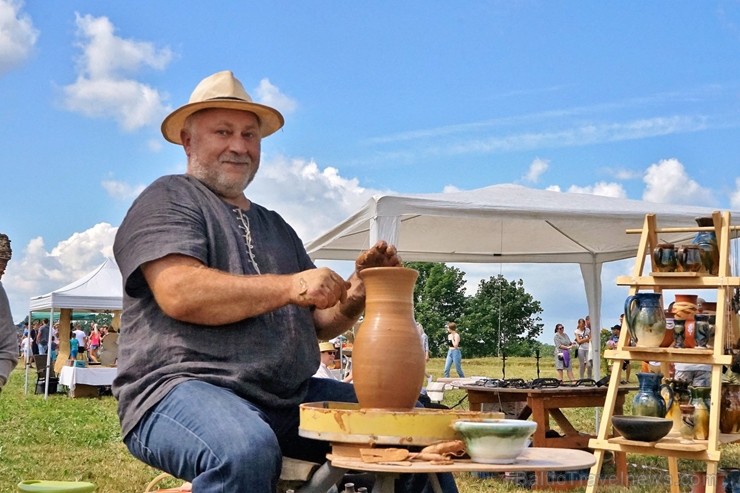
(563, 346)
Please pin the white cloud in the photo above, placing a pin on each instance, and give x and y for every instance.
(17, 35)
(450, 189)
(667, 182)
(310, 198)
(601, 188)
(269, 94)
(36, 270)
(120, 190)
(104, 87)
(536, 168)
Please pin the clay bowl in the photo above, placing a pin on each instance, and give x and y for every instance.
(642, 428)
(495, 441)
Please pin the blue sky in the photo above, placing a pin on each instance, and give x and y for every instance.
(629, 99)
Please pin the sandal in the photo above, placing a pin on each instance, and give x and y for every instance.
(185, 487)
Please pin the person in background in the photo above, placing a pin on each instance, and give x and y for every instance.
(582, 336)
(611, 343)
(694, 374)
(425, 347)
(454, 354)
(81, 337)
(93, 343)
(222, 305)
(42, 339)
(74, 348)
(563, 345)
(328, 357)
(8, 331)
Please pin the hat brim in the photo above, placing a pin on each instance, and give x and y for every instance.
(270, 119)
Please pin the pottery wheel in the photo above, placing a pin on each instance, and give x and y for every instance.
(347, 423)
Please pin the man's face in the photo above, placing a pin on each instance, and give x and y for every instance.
(223, 149)
(327, 357)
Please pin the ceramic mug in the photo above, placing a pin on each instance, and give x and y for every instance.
(664, 257)
(689, 258)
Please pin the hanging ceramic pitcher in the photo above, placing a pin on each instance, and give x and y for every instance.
(648, 401)
(387, 356)
(645, 319)
(707, 241)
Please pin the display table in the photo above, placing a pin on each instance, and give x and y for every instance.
(84, 382)
(543, 403)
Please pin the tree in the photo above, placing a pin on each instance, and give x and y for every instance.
(501, 316)
(439, 297)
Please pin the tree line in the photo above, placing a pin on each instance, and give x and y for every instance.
(500, 318)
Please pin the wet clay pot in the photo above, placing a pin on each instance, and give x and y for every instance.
(387, 357)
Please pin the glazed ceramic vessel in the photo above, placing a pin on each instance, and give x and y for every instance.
(387, 356)
(707, 242)
(648, 400)
(495, 441)
(642, 428)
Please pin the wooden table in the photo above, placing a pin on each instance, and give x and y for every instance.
(543, 403)
(540, 460)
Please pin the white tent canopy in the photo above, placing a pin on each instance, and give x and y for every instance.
(506, 224)
(99, 290)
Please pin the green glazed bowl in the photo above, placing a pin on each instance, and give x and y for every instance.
(495, 441)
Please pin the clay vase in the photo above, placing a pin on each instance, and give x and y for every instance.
(679, 333)
(701, 330)
(645, 319)
(729, 411)
(387, 357)
(685, 307)
(707, 241)
(699, 398)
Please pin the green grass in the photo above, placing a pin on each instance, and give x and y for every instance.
(79, 439)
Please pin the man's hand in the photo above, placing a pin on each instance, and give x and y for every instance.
(320, 288)
(379, 255)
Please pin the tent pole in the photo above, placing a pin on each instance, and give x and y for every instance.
(48, 354)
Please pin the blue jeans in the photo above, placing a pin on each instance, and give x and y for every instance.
(220, 442)
(454, 355)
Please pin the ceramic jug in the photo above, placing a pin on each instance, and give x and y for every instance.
(707, 242)
(387, 356)
(729, 414)
(681, 396)
(664, 257)
(699, 399)
(649, 401)
(645, 319)
(679, 332)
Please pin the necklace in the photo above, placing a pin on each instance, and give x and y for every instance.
(247, 235)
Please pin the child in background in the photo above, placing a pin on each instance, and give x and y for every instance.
(74, 347)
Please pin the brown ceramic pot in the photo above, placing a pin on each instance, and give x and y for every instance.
(387, 357)
(729, 414)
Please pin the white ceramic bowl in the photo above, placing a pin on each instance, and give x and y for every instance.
(495, 441)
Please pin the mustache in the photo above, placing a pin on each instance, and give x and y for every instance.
(231, 157)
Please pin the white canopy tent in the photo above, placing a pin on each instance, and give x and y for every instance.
(99, 291)
(506, 224)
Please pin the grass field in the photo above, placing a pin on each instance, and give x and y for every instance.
(79, 439)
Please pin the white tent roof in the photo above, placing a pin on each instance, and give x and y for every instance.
(501, 223)
(101, 289)
(506, 223)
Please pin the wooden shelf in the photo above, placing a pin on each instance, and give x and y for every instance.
(682, 355)
(681, 281)
(671, 446)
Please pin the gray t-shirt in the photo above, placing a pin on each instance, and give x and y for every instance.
(267, 359)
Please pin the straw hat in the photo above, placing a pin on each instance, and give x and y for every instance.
(326, 346)
(220, 90)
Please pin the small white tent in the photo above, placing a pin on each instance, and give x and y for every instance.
(506, 224)
(99, 291)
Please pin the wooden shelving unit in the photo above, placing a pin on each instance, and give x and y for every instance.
(724, 284)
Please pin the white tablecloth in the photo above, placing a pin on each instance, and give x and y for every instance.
(71, 376)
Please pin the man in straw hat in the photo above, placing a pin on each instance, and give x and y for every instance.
(8, 331)
(222, 308)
